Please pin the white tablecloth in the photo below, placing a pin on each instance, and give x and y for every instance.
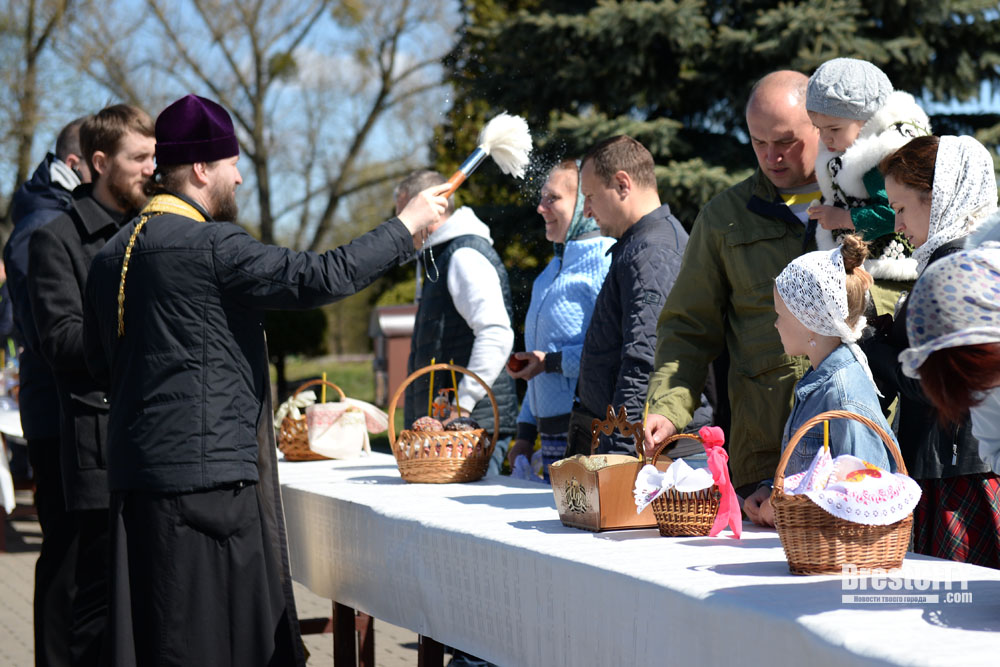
(489, 568)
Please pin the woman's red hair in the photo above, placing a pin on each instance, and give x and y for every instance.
(954, 377)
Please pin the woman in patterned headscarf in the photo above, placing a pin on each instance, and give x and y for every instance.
(942, 189)
(562, 301)
(954, 327)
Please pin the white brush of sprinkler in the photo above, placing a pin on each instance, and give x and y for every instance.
(507, 140)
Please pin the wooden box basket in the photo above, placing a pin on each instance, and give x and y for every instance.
(815, 541)
(596, 492)
(441, 457)
(684, 514)
(293, 434)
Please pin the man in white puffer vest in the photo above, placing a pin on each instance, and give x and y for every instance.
(861, 122)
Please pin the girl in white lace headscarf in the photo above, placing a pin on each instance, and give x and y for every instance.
(814, 287)
(819, 299)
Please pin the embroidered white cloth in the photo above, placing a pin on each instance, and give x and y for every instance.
(955, 302)
(814, 287)
(376, 420)
(650, 482)
(855, 490)
(337, 430)
(964, 193)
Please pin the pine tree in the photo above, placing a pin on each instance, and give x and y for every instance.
(676, 74)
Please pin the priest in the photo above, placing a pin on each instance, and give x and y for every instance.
(174, 320)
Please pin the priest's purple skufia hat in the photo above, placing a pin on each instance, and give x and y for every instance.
(194, 129)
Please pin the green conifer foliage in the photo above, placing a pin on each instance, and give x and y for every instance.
(675, 74)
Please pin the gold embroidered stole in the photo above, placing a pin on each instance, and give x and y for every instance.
(162, 203)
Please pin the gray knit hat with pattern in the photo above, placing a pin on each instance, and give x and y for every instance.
(848, 88)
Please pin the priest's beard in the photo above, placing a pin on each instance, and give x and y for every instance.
(223, 199)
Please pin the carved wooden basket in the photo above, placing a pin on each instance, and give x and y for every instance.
(596, 492)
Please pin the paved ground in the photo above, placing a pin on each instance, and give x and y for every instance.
(394, 647)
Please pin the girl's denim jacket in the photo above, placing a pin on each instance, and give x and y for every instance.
(839, 383)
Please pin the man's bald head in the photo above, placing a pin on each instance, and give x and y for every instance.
(784, 87)
(783, 137)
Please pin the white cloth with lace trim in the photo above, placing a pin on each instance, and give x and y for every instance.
(814, 287)
(854, 490)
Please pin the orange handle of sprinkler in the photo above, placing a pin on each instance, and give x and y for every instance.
(465, 170)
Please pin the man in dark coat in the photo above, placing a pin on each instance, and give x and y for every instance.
(174, 318)
(619, 188)
(38, 201)
(117, 144)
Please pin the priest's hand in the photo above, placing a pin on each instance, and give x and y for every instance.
(426, 208)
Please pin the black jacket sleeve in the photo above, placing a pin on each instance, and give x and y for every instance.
(56, 301)
(270, 277)
(94, 353)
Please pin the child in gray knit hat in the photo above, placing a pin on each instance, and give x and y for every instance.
(861, 120)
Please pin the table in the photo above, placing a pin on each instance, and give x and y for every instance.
(488, 567)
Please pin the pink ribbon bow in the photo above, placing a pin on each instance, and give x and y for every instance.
(718, 464)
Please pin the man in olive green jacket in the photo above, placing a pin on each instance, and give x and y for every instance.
(723, 297)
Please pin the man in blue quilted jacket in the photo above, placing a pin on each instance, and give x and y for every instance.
(619, 189)
(174, 318)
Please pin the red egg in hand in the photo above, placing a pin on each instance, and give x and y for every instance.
(515, 364)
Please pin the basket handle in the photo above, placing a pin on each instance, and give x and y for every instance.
(668, 442)
(779, 474)
(441, 367)
(618, 421)
(311, 383)
(672, 440)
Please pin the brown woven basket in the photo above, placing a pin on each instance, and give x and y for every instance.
(815, 541)
(684, 514)
(441, 457)
(293, 434)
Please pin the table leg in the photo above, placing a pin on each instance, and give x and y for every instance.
(429, 652)
(365, 626)
(344, 653)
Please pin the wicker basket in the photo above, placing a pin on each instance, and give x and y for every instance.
(441, 457)
(293, 434)
(684, 514)
(815, 541)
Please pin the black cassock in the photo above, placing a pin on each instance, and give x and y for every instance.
(203, 578)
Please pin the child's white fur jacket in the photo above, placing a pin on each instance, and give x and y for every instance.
(893, 126)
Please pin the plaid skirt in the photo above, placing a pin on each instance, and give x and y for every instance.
(958, 518)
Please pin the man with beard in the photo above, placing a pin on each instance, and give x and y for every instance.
(117, 143)
(174, 318)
